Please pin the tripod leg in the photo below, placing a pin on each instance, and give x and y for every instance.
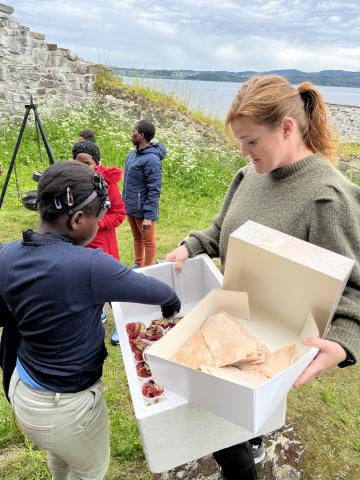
(12, 163)
(46, 143)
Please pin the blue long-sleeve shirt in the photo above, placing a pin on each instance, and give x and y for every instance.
(51, 296)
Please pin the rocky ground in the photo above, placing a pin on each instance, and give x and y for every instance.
(284, 452)
(346, 120)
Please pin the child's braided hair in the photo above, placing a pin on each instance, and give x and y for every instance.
(87, 147)
(63, 186)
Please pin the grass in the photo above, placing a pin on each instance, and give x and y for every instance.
(106, 79)
(108, 83)
(325, 413)
(349, 150)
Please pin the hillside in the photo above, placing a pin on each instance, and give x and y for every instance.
(336, 78)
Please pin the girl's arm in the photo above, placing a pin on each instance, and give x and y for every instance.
(124, 285)
(116, 213)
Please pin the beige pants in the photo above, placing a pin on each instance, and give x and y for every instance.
(72, 427)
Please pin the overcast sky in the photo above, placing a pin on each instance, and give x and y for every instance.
(310, 35)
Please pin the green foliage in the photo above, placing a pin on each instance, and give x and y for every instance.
(349, 150)
(326, 415)
(8, 431)
(109, 84)
(106, 77)
(193, 163)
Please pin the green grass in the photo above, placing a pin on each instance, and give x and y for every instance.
(348, 150)
(109, 84)
(325, 413)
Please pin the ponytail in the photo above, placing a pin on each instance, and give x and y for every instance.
(318, 136)
(268, 99)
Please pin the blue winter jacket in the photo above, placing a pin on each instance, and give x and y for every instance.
(142, 182)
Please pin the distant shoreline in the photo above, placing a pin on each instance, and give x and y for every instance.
(325, 78)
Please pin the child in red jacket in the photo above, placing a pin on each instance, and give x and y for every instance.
(89, 154)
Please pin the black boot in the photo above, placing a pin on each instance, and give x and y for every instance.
(237, 462)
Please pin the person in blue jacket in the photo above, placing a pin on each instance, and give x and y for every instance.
(141, 194)
(141, 191)
(52, 291)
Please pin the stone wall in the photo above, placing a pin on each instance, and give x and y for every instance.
(31, 66)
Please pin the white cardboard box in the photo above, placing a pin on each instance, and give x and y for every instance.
(293, 289)
(175, 431)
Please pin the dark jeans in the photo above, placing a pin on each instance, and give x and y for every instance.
(237, 462)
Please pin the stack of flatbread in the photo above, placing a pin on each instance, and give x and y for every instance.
(224, 348)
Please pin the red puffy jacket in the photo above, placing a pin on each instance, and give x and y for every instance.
(106, 235)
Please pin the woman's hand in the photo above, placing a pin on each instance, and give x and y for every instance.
(330, 354)
(179, 256)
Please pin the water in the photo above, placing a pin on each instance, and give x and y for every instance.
(214, 98)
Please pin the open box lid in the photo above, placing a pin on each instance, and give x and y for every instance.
(285, 276)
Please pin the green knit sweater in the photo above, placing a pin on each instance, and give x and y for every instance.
(310, 200)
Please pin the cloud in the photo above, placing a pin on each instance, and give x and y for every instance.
(206, 34)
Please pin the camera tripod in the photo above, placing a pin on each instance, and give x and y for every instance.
(38, 125)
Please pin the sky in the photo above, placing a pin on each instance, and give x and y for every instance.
(259, 35)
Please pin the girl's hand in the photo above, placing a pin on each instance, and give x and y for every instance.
(179, 256)
(330, 354)
(146, 224)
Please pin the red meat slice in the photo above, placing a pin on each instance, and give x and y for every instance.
(151, 389)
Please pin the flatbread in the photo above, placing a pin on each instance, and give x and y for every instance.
(234, 374)
(274, 363)
(282, 359)
(227, 343)
(224, 348)
(194, 352)
(260, 356)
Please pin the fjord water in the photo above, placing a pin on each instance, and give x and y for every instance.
(214, 98)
